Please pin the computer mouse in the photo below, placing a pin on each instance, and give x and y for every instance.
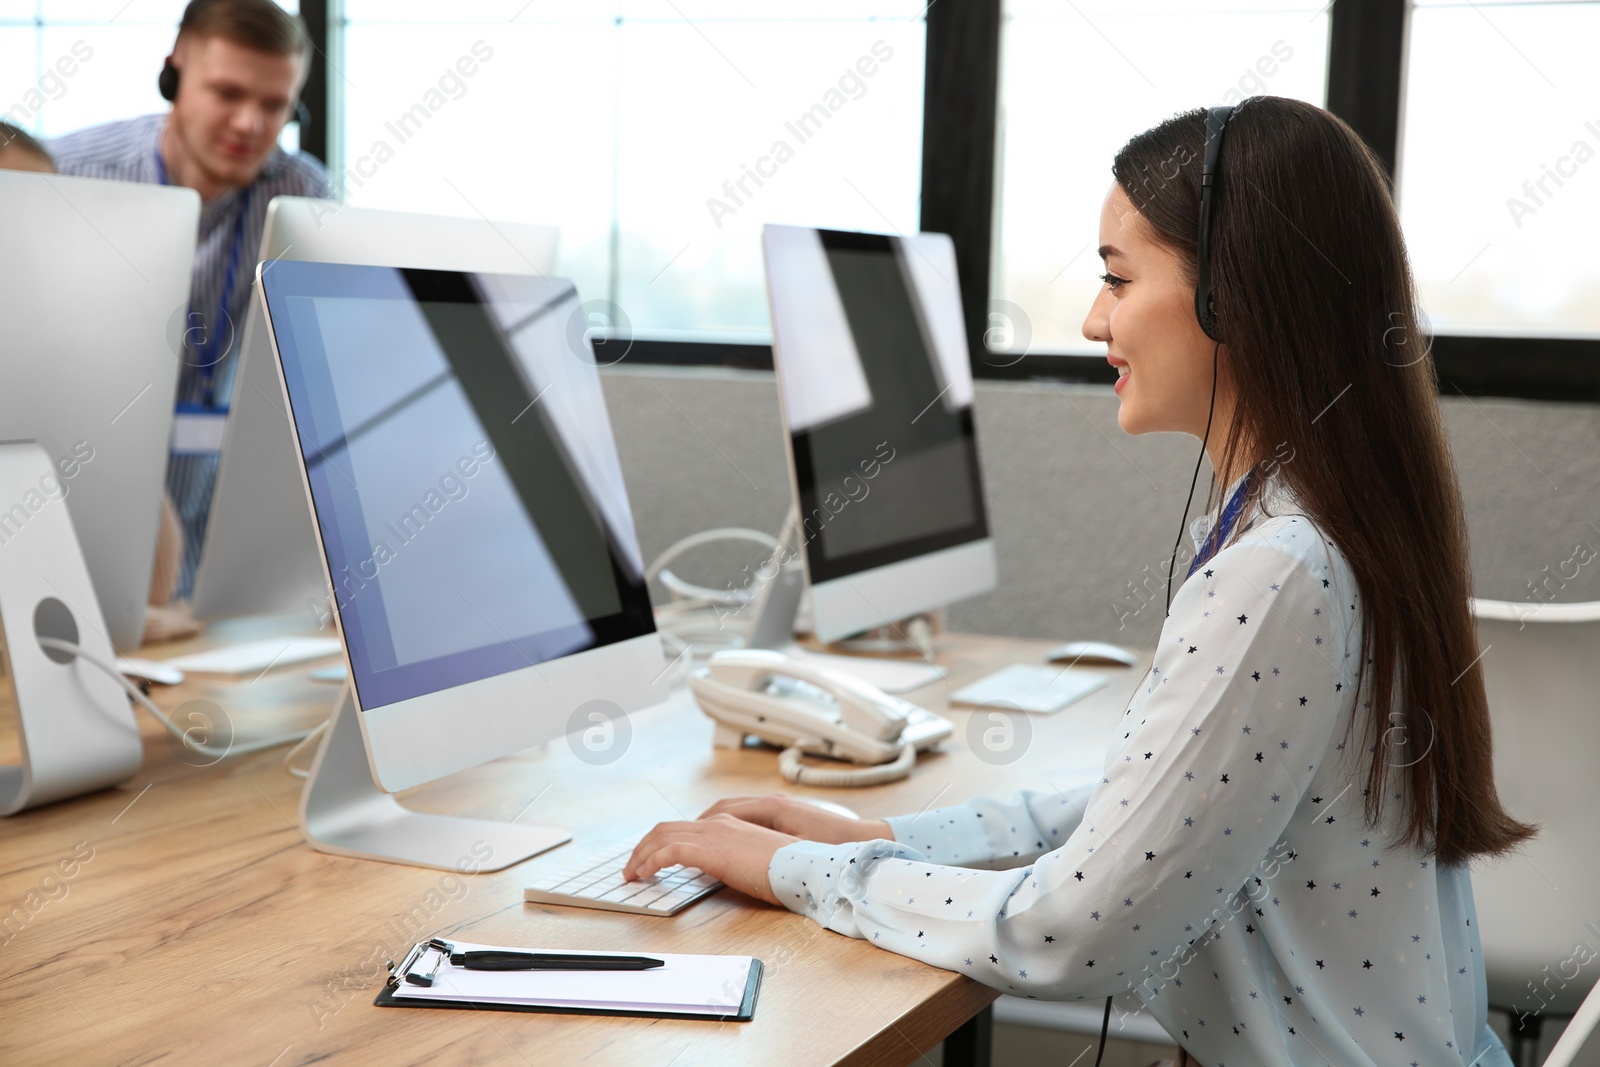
(826, 805)
(1091, 654)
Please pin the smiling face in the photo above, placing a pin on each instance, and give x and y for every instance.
(232, 104)
(1144, 313)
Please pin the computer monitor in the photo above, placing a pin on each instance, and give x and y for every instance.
(94, 292)
(259, 555)
(474, 532)
(876, 392)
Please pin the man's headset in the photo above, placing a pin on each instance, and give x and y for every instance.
(167, 80)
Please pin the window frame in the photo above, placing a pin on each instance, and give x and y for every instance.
(1366, 73)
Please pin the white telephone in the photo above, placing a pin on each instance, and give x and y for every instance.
(806, 708)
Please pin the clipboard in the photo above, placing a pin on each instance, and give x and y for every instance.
(628, 993)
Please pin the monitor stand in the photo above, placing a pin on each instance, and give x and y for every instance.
(776, 605)
(901, 666)
(75, 731)
(343, 812)
(782, 581)
(910, 638)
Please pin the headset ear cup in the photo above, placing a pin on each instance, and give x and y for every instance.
(1209, 324)
(167, 81)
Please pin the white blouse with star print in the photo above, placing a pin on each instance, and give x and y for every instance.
(1220, 870)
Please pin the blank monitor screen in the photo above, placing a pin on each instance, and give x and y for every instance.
(877, 395)
(462, 472)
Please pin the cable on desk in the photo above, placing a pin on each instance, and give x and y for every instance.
(791, 768)
(172, 727)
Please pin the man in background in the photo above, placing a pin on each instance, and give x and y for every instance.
(234, 76)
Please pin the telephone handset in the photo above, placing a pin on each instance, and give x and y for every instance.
(807, 708)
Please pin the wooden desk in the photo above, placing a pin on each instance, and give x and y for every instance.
(197, 926)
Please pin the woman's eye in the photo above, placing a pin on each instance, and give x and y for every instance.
(1112, 280)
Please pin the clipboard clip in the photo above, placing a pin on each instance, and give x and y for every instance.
(410, 969)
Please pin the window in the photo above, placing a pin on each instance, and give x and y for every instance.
(659, 135)
(1499, 167)
(68, 64)
(650, 132)
(1076, 82)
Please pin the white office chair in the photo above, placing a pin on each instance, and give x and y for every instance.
(1577, 1031)
(1539, 664)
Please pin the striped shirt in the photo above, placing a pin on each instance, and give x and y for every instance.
(126, 151)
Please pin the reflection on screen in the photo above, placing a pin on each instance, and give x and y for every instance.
(878, 396)
(463, 473)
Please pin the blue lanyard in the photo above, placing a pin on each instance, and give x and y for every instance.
(1230, 515)
(213, 332)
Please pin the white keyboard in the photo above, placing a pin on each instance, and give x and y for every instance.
(1026, 687)
(253, 657)
(595, 881)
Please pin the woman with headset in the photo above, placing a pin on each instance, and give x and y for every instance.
(1274, 859)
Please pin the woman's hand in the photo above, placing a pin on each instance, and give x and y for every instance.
(808, 822)
(727, 848)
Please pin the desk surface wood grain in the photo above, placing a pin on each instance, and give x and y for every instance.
(182, 918)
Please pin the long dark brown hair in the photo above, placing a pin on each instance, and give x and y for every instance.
(1315, 301)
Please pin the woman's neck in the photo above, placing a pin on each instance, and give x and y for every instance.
(1242, 464)
(1217, 443)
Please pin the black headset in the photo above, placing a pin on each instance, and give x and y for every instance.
(167, 80)
(1204, 307)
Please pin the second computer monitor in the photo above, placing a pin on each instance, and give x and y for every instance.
(876, 390)
(260, 555)
(94, 287)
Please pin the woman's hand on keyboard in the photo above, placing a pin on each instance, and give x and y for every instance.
(789, 815)
(736, 852)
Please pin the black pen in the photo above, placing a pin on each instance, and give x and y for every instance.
(550, 961)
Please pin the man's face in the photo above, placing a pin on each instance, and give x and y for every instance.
(232, 103)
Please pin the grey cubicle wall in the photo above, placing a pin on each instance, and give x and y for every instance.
(1082, 514)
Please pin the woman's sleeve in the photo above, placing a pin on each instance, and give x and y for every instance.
(1189, 826)
(989, 834)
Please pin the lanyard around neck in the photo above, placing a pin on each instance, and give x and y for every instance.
(213, 332)
(1230, 515)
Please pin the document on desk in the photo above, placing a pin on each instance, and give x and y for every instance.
(715, 987)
